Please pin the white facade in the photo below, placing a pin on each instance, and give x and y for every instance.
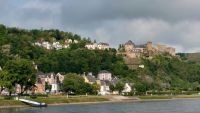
(60, 77)
(46, 45)
(127, 88)
(57, 45)
(105, 75)
(91, 46)
(103, 46)
(75, 41)
(68, 41)
(104, 90)
(54, 88)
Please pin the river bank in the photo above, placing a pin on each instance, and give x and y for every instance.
(63, 100)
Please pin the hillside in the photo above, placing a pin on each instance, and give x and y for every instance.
(162, 72)
(190, 57)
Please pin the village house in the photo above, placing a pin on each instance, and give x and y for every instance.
(100, 46)
(104, 80)
(89, 78)
(104, 75)
(91, 46)
(127, 88)
(103, 46)
(104, 87)
(46, 45)
(75, 41)
(40, 83)
(57, 45)
(52, 79)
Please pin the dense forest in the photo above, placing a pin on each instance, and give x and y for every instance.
(161, 73)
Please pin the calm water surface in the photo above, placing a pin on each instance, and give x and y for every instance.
(172, 106)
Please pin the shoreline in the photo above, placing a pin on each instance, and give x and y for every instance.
(99, 102)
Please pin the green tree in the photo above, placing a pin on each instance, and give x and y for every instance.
(72, 83)
(112, 88)
(119, 87)
(24, 73)
(7, 81)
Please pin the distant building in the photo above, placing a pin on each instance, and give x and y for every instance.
(136, 51)
(75, 41)
(104, 87)
(104, 75)
(57, 45)
(103, 46)
(99, 46)
(52, 79)
(127, 88)
(89, 78)
(91, 46)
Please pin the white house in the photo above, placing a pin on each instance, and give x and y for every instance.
(46, 45)
(68, 41)
(127, 88)
(104, 87)
(75, 41)
(54, 88)
(60, 77)
(57, 45)
(103, 46)
(104, 75)
(91, 46)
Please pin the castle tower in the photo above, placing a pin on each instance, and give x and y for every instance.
(149, 46)
(129, 46)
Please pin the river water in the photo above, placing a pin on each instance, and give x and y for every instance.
(171, 106)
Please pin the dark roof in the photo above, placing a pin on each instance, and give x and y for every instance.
(141, 46)
(105, 82)
(104, 71)
(101, 43)
(129, 43)
(49, 74)
(114, 81)
(40, 75)
(91, 78)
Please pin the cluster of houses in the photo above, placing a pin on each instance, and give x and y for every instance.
(104, 79)
(99, 46)
(55, 45)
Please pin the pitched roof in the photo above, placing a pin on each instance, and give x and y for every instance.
(91, 78)
(129, 43)
(114, 81)
(105, 82)
(104, 71)
(106, 44)
(141, 46)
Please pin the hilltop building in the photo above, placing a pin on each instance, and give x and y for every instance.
(130, 50)
(99, 46)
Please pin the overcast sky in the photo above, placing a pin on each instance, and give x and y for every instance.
(172, 22)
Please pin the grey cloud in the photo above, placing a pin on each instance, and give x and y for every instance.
(173, 22)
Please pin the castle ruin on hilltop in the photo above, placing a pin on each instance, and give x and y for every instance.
(132, 53)
(130, 50)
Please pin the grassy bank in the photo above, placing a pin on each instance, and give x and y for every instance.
(154, 97)
(64, 99)
(11, 103)
(55, 100)
(168, 97)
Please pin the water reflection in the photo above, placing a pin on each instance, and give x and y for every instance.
(172, 106)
